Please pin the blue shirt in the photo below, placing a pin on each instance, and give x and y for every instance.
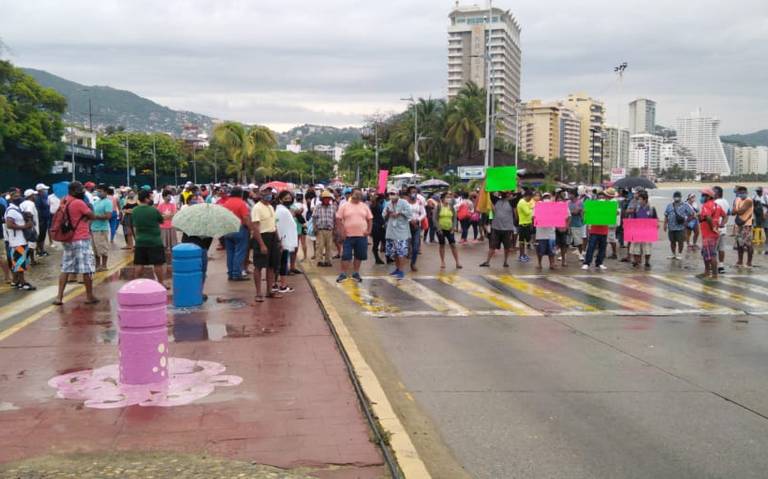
(398, 227)
(683, 209)
(101, 207)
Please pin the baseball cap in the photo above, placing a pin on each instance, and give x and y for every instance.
(708, 191)
(29, 191)
(90, 184)
(42, 186)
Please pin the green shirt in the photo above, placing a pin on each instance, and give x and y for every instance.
(146, 224)
(101, 207)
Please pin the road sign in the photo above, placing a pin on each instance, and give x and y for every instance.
(617, 174)
(471, 172)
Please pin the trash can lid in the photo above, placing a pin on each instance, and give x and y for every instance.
(142, 291)
(187, 250)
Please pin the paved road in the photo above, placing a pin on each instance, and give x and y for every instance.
(513, 374)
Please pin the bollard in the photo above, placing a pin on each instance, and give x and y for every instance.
(187, 275)
(143, 335)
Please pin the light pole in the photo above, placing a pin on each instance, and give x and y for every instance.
(127, 164)
(154, 161)
(619, 70)
(194, 163)
(488, 89)
(72, 149)
(415, 132)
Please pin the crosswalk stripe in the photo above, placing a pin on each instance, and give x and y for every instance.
(361, 294)
(434, 300)
(622, 300)
(748, 286)
(561, 300)
(706, 289)
(656, 289)
(488, 295)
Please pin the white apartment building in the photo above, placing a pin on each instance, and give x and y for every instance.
(672, 154)
(642, 116)
(750, 160)
(700, 135)
(468, 33)
(616, 147)
(570, 135)
(645, 151)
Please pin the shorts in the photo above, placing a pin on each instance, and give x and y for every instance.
(709, 249)
(525, 233)
(561, 239)
(676, 236)
(578, 233)
(502, 237)
(100, 242)
(169, 237)
(396, 248)
(78, 257)
(744, 236)
(446, 235)
(721, 243)
(545, 247)
(611, 234)
(355, 247)
(19, 258)
(271, 259)
(149, 255)
(640, 249)
(285, 261)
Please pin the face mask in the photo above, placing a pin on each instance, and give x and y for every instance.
(704, 199)
(267, 198)
(678, 200)
(79, 194)
(287, 203)
(413, 196)
(17, 201)
(743, 196)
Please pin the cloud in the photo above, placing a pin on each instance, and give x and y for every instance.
(291, 61)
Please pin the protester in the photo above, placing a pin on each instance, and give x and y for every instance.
(114, 220)
(324, 221)
(676, 216)
(399, 215)
(711, 218)
(598, 241)
(78, 257)
(743, 211)
(43, 206)
(545, 240)
(28, 208)
(127, 208)
(758, 229)
(355, 221)
(236, 244)
(502, 227)
(377, 226)
(149, 249)
(299, 210)
(464, 208)
(445, 219)
(16, 227)
(418, 215)
(642, 250)
(726, 207)
(577, 227)
(561, 233)
(525, 220)
(5, 260)
(168, 210)
(692, 229)
(288, 238)
(102, 210)
(266, 250)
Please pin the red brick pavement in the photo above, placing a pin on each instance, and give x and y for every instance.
(296, 406)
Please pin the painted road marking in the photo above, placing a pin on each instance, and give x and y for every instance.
(434, 300)
(700, 287)
(498, 300)
(658, 290)
(561, 300)
(361, 294)
(749, 286)
(612, 296)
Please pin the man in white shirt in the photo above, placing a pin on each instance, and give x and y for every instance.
(13, 228)
(28, 206)
(722, 203)
(418, 214)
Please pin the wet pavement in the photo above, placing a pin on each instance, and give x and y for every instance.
(295, 408)
(511, 372)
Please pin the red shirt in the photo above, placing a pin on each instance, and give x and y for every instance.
(77, 209)
(710, 209)
(598, 230)
(237, 206)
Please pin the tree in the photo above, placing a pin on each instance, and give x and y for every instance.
(247, 149)
(465, 119)
(141, 150)
(263, 142)
(30, 122)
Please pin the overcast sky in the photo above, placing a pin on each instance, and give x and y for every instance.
(289, 62)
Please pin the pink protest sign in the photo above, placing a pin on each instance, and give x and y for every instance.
(383, 176)
(641, 230)
(550, 215)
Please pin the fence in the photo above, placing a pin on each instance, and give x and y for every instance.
(28, 180)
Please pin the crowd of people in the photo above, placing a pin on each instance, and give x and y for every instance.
(278, 227)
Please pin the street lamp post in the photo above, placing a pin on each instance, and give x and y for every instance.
(415, 132)
(72, 149)
(154, 161)
(488, 89)
(127, 165)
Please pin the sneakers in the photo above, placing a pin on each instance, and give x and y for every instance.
(674, 256)
(398, 274)
(287, 289)
(356, 277)
(585, 267)
(524, 258)
(25, 287)
(341, 278)
(602, 267)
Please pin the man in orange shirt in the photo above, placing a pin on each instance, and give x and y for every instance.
(236, 244)
(355, 220)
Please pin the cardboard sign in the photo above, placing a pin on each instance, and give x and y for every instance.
(641, 230)
(383, 176)
(501, 178)
(548, 214)
(602, 213)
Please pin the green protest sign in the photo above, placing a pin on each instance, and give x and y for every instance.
(501, 178)
(600, 212)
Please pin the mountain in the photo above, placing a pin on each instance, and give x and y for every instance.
(112, 107)
(758, 138)
(311, 135)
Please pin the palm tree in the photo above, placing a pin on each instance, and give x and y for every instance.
(234, 139)
(466, 119)
(263, 142)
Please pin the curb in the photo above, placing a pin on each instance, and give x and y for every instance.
(80, 289)
(400, 442)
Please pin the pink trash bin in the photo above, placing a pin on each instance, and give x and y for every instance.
(143, 334)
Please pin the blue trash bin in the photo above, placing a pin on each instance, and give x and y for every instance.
(187, 275)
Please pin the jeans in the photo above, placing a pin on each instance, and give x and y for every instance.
(237, 247)
(44, 223)
(596, 241)
(464, 229)
(415, 246)
(113, 224)
(378, 240)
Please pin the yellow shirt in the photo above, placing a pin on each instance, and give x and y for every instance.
(525, 211)
(265, 216)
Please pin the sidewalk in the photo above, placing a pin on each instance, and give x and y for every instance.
(295, 408)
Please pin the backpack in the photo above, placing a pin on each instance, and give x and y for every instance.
(463, 212)
(61, 225)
